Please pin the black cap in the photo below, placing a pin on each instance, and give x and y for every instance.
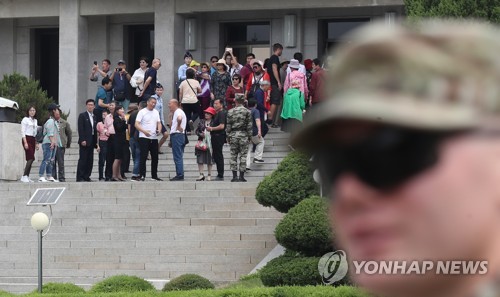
(52, 106)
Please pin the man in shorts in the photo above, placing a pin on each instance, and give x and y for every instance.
(273, 69)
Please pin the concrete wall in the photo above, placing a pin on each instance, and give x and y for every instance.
(12, 160)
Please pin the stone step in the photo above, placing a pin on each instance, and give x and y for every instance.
(155, 230)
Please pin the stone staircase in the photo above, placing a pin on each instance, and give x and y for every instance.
(276, 148)
(155, 230)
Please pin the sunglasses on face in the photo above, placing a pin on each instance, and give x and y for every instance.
(384, 160)
(214, 61)
(235, 78)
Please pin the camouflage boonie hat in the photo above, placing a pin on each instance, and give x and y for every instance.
(435, 75)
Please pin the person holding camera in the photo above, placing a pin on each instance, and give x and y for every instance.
(98, 74)
(121, 79)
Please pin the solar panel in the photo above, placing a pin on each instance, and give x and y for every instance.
(46, 196)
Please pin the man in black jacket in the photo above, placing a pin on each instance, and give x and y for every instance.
(87, 140)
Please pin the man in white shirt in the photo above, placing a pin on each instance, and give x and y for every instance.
(149, 125)
(177, 138)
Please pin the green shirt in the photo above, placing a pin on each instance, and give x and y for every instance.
(293, 104)
(50, 129)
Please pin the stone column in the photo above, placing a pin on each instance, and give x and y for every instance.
(7, 46)
(169, 43)
(73, 47)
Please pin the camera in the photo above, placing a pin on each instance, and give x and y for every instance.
(95, 63)
(118, 69)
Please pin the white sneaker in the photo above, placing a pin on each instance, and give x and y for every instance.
(51, 179)
(42, 179)
(25, 179)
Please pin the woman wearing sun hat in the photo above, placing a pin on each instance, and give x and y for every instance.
(205, 156)
(220, 81)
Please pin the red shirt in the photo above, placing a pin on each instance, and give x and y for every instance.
(316, 86)
(231, 94)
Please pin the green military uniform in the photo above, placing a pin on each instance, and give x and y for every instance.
(239, 131)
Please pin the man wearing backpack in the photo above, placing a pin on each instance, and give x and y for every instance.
(120, 80)
(258, 75)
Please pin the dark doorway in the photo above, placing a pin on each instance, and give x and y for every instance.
(334, 32)
(246, 37)
(47, 60)
(139, 42)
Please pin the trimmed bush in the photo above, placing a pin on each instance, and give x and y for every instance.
(291, 271)
(122, 283)
(306, 229)
(58, 288)
(5, 294)
(289, 184)
(188, 282)
(309, 291)
(26, 92)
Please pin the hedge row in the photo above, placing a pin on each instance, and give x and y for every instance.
(320, 291)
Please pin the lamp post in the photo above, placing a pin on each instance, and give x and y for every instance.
(39, 221)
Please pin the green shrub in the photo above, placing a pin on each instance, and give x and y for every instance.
(306, 229)
(5, 294)
(58, 288)
(309, 291)
(26, 92)
(289, 184)
(291, 271)
(188, 282)
(122, 283)
(250, 276)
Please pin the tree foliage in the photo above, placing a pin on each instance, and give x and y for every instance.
(26, 92)
(479, 9)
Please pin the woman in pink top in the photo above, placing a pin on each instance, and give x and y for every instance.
(296, 75)
(102, 132)
(110, 155)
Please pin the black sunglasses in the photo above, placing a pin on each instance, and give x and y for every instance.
(236, 78)
(383, 160)
(214, 61)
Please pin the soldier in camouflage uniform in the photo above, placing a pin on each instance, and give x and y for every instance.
(239, 132)
(407, 144)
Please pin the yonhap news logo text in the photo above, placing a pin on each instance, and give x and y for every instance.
(334, 266)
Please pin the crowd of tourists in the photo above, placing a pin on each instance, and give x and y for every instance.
(222, 102)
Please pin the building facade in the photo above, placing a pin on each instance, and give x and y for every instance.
(57, 41)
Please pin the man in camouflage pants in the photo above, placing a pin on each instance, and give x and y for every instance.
(239, 132)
